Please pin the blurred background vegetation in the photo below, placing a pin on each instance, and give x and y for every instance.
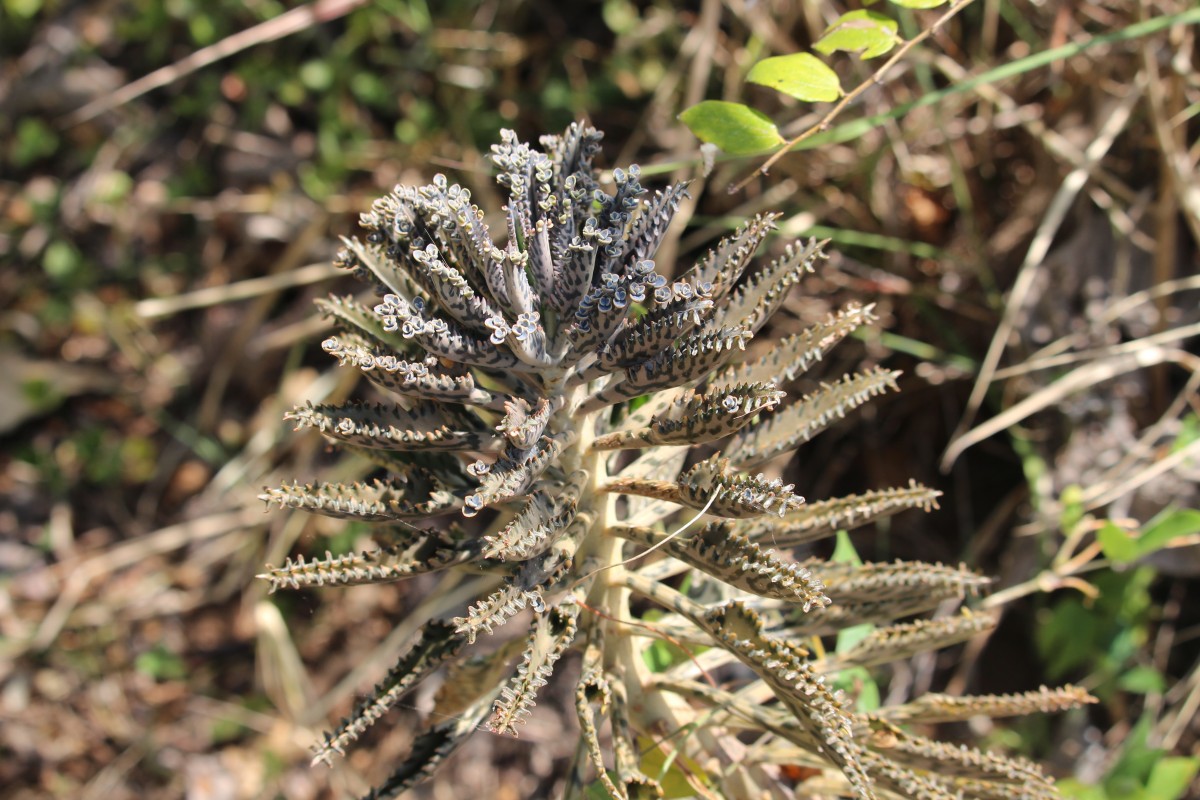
(174, 175)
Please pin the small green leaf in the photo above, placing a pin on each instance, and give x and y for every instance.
(161, 664)
(1118, 544)
(801, 75)
(733, 127)
(870, 32)
(844, 552)
(920, 3)
(1071, 500)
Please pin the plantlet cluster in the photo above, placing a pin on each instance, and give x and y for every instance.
(619, 454)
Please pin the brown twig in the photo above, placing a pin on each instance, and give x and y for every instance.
(285, 24)
(851, 96)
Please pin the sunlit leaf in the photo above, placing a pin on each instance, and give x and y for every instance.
(733, 127)
(801, 75)
(920, 3)
(1118, 544)
(1171, 776)
(870, 32)
(1170, 524)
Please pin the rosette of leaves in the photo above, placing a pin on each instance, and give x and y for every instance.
(604, 426)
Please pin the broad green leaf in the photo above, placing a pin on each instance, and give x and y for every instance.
(1118, 544)
(1168, 525)
(1142, 680)
(1171, 777)
(733, 127)
(920, 3)
(870, 32)
(801, 75)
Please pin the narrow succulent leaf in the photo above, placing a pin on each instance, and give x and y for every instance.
(352, 316)
(663, 462)
(432, 748)
(905, 640)
(789, 672)
(627, 756)
(442, 338)
(593, 699)
(511, 474)
(426, 379)
(523, 424)
(719, 551)
(651, 223)
(880, 582)
(792, 357)
(842, 615)
(376, 501)
(790, 427)
(948, 761)
(551, 635)
(494, 610)
(436, 644)
(713, 488)
(604, 309)
(784, 666)
(823, 518)
(369, 264)
(930, 708)
(452, 291)
(425, 426)
(689, 360)
(528, 587)
(721, 267)
(644, 339)
(904, 781)
(523, 530)
(711, 484)
(546, 514)
(753, 303)
(698, 418)
(429, 553)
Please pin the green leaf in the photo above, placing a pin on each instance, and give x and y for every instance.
(1071, 500)
(844, 552)
(920, 3)
(801, 75)
(733, 127)
(160, 664)
(1171, 777)
(1142, 680)
(1170, 524)
(870, 32)
(1118, 544)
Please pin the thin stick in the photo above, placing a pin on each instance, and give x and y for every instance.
(285, 24)
(851, 96)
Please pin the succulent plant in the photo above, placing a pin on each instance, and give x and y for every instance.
(604, 426)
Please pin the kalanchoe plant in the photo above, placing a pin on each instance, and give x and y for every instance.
(596, 410)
